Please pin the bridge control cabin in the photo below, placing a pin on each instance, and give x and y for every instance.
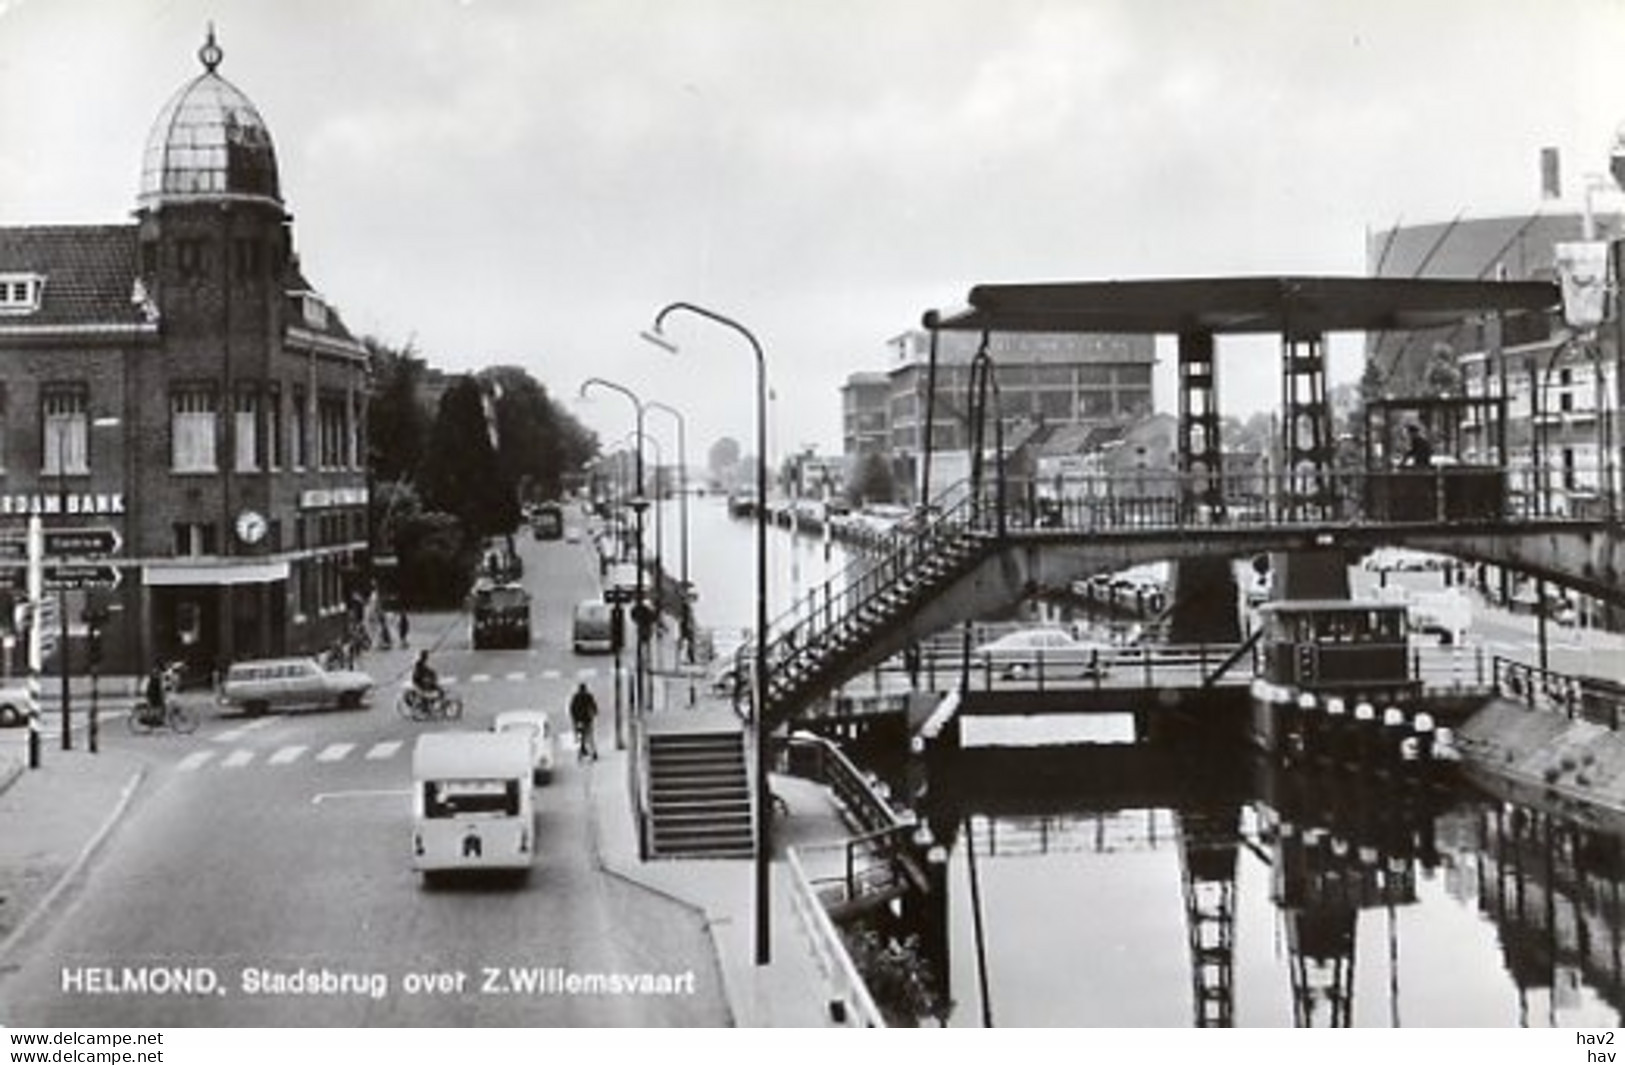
(1436, 459)
(1336, 646)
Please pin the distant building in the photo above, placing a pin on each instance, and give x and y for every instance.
(1044, 380)
(1555, 386)
(179, 382)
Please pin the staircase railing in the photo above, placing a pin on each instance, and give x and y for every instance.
(803, 632)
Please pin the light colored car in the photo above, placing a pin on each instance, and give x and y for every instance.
(13, 706)
(544, 742)
(1054, 651)
(266, 684)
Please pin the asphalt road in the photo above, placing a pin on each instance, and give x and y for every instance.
(263, 877)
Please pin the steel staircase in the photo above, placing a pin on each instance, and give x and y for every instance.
(824, 639)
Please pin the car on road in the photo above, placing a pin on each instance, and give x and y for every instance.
(537, 727)
(1042, 651)
(13, 706)
(262, 684)
(500, 615)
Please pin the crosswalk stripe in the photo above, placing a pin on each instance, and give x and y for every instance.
(232, 735)
(238, 758)
(194, 760)
(587, 672)
(517, 675)
(334, 751)
(479, 678)
(384, 749)
(551, 674)
(287, 754)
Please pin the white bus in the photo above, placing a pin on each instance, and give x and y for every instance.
(471, 802)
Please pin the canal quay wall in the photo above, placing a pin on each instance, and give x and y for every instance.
(1547, 753)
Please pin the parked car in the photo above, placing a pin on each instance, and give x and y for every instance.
(13, 706)
(258, 685)
(537, 727)
(1055, 651)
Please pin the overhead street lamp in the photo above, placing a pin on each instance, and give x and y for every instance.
(682, 519)
(656, 336)
(637, 508)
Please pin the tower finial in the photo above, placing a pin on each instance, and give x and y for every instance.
(210, 53)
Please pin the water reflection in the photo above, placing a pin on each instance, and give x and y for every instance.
(1141, 886)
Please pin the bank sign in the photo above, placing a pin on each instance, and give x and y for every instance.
(61, 503)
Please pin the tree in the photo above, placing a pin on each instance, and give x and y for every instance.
(871, 481)
(397, 420)
(723, 459)
(461, 473)
(539, 443)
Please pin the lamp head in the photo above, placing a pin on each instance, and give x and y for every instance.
(658, 339)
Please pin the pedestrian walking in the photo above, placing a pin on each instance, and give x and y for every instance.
(402, 627)
(583, 715)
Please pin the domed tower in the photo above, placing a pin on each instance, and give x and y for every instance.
(214, 236)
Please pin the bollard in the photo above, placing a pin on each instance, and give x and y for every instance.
(1394, 733)
(1367, 738)
(1422, 732)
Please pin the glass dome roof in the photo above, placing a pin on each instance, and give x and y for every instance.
(209, 143)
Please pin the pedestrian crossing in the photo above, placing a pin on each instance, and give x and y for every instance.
(289, 755)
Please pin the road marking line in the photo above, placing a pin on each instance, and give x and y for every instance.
(587, 672)
(194, 760)
(334, 751)
(516, 675)
(479, 678)
(377, 793)
(551, 674)
(238, 758)
(384, 749)
(232, 735)
(287, 754)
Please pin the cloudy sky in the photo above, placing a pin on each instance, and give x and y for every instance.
(528, 182)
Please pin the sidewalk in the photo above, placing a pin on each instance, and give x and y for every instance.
(54, 818)
(790, 991)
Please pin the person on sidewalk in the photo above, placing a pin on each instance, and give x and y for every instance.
(583, 716)
(403, 626)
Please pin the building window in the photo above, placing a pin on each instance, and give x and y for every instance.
(246, 431)
(65, 417)
(248, 258)
(195, 539)
(331, 431)
(192, 430)
(20, 293)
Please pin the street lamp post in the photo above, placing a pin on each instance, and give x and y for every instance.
(682, 521)
(764, 952)
(660, 526)
(638, 506)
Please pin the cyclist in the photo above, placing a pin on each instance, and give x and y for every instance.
(156, 695)
(583, 712)
(426, 681)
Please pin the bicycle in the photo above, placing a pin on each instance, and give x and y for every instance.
(175, 715)
(436, 706)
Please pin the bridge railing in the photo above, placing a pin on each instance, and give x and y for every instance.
(1593, 699)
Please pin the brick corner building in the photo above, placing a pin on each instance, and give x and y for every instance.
(178, 381)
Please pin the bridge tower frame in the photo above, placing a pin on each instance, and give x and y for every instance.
(1201, 457)
(1308, 447)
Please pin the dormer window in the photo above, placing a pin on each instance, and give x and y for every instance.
(20, 293)
(315, 311)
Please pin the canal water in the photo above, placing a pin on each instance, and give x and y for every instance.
(1115, 885)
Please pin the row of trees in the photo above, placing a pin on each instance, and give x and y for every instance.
(452, 464)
